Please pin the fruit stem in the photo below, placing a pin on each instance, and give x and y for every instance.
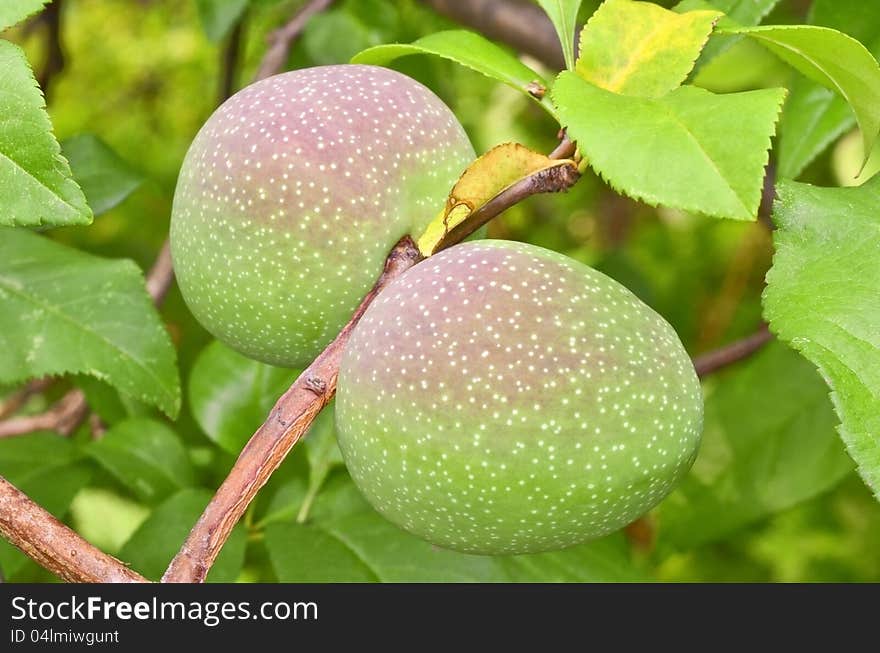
(309, 499)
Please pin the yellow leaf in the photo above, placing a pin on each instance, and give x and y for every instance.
(641, 49)
(487, 177)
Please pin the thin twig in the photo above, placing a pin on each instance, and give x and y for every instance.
(711, 362)
(63, 417)
(229, 58)
(282, 39)
(519, 23)
(161, 275)
(53, 545)
(287, 422)
(718, 312)
(566, 148)
(18, 398)
(97, 426)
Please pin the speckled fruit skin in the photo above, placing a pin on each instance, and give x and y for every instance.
(501, 398)
(293, 193)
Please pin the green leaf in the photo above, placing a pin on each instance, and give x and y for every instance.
(218, 16)
(285, 501)
(230, 395)
(305, 554)
(381, 16)
(323, 455)
(23, 456)
(64, 311)
(470, 50)
(145, 456)
(322, 451)
(157, 540)
(834, 60)
(815, 116)
(15, 11)
(36, 185)
(346, 540)
(857, 18)
(738, 12)
(106, 402)
(283, 496)
(846, 161)
(53, 487)
(769, 443)
(822, 298)
(395, 556)
(690, 149)
(641, 49)
(563, 14)
(49, 469)
(105, 518)
(334, 36)
(604, 561)
(105, 178)
(339, 498)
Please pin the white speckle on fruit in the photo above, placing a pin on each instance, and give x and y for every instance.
(547, 437)
(293, 193)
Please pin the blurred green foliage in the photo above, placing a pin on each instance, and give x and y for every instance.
(143, 76)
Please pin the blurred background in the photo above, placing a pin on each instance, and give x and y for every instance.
(772, 497)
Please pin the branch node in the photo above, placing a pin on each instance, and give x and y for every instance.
(536, 89)
(317, 385)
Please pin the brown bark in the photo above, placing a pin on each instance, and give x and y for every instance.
(53, 545)
(288, 421)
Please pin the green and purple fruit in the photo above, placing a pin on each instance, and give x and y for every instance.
(500, 398)
(293, 193)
